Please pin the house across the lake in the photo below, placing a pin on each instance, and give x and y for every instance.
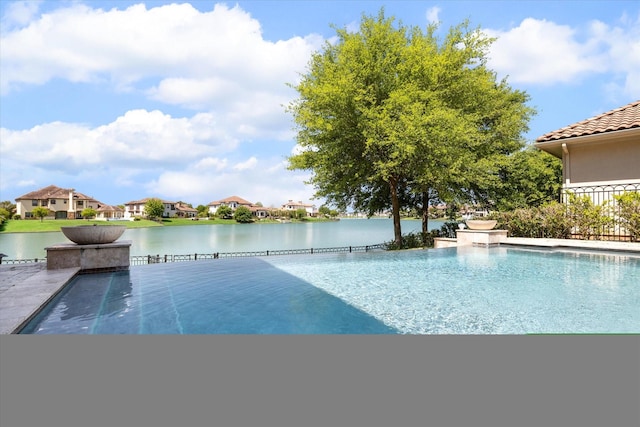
(135, 208)
(234, 202)
(294, 206)
(63, 203)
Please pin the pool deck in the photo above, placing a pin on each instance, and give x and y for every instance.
(24, 288)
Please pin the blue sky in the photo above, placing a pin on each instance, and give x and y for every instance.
(123, 100)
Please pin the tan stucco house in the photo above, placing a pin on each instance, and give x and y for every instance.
(63, 203)
(601, 155)
(294, 206)
(234, 202)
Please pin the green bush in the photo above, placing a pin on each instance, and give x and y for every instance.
(629, 213)
(550, 220)
(243, 215)
(448, 229)
(588, 219)
(415, 239)
(555, 221)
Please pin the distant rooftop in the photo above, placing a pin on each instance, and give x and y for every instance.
(625, 117)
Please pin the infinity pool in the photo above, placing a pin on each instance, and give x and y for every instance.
(444, 291)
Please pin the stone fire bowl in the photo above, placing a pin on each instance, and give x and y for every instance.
(481, 224)
(93, 234)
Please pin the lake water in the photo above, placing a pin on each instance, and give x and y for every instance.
(206, 239)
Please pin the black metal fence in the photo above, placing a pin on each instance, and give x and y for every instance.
(22, 261)
(156, 259)
(604, 195)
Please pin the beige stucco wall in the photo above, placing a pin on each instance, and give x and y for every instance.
(600, 162)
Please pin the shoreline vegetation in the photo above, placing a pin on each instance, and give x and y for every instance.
(52, 225)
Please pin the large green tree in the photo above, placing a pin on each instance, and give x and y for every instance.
(154, 208)
(390, 116)
(528, 178)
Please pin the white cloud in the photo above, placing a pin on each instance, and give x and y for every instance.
(547, 53)
(19, 13)
(539, 51)
(248, 164)
(173, 42)
(141, 139)
(215, 61)
(272, 186)
(433, 15)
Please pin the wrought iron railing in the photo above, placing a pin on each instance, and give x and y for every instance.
(22, 261)
(156, 259)
(604, 195)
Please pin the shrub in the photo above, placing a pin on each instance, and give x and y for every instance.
(525, 222)
(448, 229)
(590, 220)
(555, 221)
(243, 215)
(629, 213)
(551, 220)
(415, 239)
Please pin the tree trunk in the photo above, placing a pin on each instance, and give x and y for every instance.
(395, 211)
(425, 216)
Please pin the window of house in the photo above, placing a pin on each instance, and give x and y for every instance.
(34, 203)
(52, 201)
(80, 203)
(28, 215)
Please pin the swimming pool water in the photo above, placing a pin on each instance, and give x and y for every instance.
(445, 291)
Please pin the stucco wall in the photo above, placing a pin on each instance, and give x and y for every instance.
(598, 162)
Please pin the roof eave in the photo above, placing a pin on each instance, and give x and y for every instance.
(554, 147)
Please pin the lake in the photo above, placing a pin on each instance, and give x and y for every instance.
(207, 239)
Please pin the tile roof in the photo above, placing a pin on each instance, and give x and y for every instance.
(146, 199)
(110, 208)
(53, 192)
(236, 199)
(625, 117)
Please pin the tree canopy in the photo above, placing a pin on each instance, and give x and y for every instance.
(154, 208)
(391, 116)
(224, 212)
(40, 212)
(243, 215)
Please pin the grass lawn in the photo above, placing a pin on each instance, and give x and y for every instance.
(35, 225)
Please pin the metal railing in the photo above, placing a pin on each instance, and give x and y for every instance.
(22, 261)
(604, 195)
(156, 259)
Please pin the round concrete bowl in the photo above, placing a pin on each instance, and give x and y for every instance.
(93, 234)
(481, 224)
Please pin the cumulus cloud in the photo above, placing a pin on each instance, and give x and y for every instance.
(547, 53)
(19, 13)
(180, 158)
(174, 42)
(248, 164)
(271, 186)
(139, 138)
(433, 15)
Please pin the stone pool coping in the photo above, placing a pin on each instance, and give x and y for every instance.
(24, 288)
